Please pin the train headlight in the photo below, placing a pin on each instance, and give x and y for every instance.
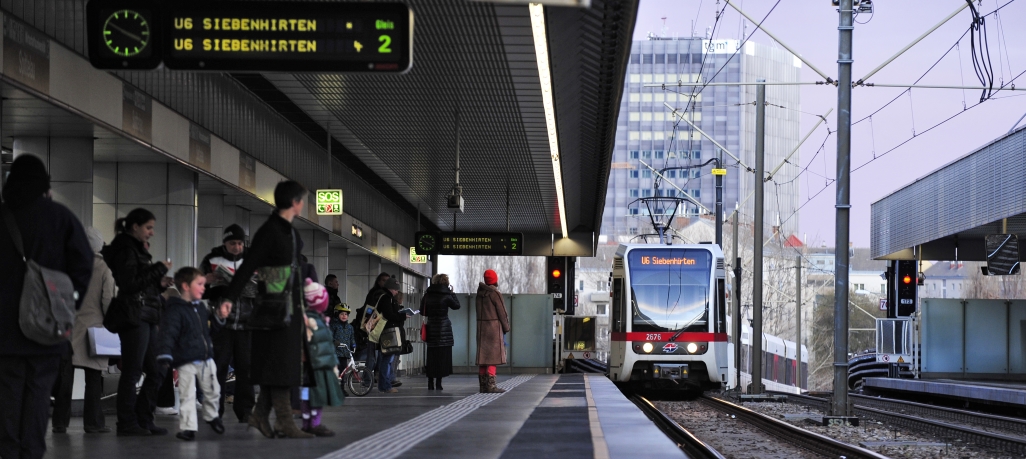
(647, 347)
(692, 348)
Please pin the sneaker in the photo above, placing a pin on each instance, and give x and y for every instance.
(390, 391)
(397, 383)
(168, 411)
(187, 435)
(217, 425)
(134, 431)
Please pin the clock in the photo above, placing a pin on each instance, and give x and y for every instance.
(126, 33)
(426, 243)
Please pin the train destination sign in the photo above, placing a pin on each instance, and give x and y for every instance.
(470, 243)
(251, 36)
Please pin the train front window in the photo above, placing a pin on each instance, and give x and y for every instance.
(670, 289)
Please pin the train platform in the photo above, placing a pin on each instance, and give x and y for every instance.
(567, 416)
(988, 392)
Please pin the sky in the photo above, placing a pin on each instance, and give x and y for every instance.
(810, 29)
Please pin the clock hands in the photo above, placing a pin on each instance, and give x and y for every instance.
(127, 33)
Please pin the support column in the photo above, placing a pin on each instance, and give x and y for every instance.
(70, 164)
(211, 220)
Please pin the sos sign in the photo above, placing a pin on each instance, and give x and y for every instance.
(329, 202)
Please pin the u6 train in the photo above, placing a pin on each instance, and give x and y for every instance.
(669, 325)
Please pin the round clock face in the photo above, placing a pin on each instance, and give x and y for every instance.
(426, 243)
(126, 33)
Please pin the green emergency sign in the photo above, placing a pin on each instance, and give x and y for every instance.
(329, 202)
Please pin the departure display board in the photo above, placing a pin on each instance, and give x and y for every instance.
(251, 36)
(470, 243)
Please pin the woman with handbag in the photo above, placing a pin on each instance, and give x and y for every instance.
(438, 300)
(134, 318)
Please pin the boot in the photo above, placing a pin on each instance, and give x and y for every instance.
(261, 411)
(431, 383)
(483, 382)
(492, 388)
(284, 426)
(439, 384)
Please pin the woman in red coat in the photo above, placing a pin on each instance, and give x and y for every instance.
(492, 324)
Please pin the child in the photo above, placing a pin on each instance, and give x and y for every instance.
(185, 343)
(323, 388)
(342, 332)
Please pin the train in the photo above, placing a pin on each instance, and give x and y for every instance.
(669, 327)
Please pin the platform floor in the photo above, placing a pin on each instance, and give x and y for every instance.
(1005, 392)
(541, 416)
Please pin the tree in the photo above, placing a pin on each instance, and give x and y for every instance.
(863, 311)
(517, 275)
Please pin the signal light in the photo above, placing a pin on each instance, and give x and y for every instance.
(556, 273)
(907, 279)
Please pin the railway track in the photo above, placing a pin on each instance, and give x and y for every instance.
(811, 441)
(914, 418)
(691, 445)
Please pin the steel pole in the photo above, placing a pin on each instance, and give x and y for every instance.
(736, 311)
(798, 321)
(839, 405)
(719, 204)
(760, 173)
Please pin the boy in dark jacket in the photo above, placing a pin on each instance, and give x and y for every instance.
(185, 343)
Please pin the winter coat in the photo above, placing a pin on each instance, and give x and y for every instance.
(185, 332)
(435, 306)
(277, 358)
(54, 239)
(325, 389)
(94, 306)
(137, 277)
(343, 333)
(492, 323)
(241, 311)
(333, 299)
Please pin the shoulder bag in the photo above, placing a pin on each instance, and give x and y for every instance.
(376, 324)
(46, 311)
(391, 341)
(272, 307)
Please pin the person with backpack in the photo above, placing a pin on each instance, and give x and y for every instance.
(134, 317)
(53, 238)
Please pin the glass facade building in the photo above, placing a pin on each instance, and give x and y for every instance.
(648, 131)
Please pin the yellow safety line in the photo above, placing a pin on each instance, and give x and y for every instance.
(598, 440)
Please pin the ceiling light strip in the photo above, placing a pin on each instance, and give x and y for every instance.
(541, 51)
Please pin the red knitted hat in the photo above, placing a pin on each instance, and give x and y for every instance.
(491, 278)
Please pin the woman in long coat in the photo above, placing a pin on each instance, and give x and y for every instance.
(492, 324)
(435, 306)
(94, 306)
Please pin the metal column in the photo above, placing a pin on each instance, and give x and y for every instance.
(839, 405)
(760, 173)
(798, 321)
(719, 203)
(736, 311)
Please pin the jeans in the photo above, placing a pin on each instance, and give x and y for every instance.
(385, 372)
(232, 347)
(371, 361)
(138, 356)
(92, 410)
(25, 386)
(395, 368)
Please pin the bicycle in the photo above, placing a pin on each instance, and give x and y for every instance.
(352, 376)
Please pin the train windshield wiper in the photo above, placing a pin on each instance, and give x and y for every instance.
(685, 327)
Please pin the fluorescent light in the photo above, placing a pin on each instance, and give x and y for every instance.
(541, 51)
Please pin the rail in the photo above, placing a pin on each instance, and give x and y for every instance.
(797, 436)
(686, 441)
(913, 419)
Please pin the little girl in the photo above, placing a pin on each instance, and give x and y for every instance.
(322, 389)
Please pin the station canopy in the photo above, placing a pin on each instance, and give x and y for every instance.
(948, 213)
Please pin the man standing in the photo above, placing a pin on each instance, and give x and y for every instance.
(231, 342)
(366, 348)
(331, 283)
(389, 310)
(52, 237)
(277, 354)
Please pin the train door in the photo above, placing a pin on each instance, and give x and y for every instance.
(617, 326)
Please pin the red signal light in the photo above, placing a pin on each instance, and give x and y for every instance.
(907, 279)
(556, 273)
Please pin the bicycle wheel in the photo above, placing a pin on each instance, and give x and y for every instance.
(353, 384)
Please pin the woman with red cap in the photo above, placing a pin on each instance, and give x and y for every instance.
(492, 324)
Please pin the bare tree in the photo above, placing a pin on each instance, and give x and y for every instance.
(517, 275)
